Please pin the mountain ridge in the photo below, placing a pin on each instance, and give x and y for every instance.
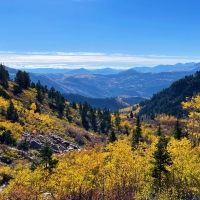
(126, 83)
(169, 100)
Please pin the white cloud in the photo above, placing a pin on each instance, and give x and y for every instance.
(86, 60)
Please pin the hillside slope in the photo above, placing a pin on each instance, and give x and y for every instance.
(169, 100)
(31, 115)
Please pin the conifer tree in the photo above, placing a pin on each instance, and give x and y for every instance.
(51, 94)
(40, 96)
(74, 105)
(7, 138)
(94, 121)
(4, 76)
(117, 120)
(159, 131)
(84, 119)
(38, 85)
(131, 114)
(22, 79)
(112, 137)
(11, 113)
(177, 131)
(136, 137)
(161, 161)
(138, 127)
(46, 153)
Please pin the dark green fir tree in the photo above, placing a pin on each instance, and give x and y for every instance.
(161, 161)
(112, 137)
(177, 130)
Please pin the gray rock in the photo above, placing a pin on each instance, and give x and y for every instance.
(59, 145)
(35, 145)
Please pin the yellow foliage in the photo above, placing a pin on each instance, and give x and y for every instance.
(164, 117)
(15, 128)
(4, 103)
(193, 105)
(33, 106)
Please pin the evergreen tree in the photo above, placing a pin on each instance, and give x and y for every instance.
(131, 114)
(69, 118)
(4, 76)
(51, 94)
(138, 129)
(4, 94)
(38, 86)
(117, 120)
(40, 96)
(17, 90)
(84, 120)
(46, 153)
(24, 145)
(136, 137)
(135, 140)
(11, 113)
(162, 160)
(33, 85)
(177, 131)
(93, 120)
(74, 105)
(7, 138)
(112, 137)
(27, 80)
(22, 79)
(159, 131)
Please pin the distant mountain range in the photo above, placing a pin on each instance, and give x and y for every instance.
(124, 83)
(103, 71)
(107, 71)
(169, 68)
(169, 100)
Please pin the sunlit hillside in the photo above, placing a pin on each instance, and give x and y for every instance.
(53, 149)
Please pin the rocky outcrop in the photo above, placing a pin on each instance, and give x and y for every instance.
(59, 145)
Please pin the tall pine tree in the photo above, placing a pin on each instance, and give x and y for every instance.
(177, 131)
(11, 113)
(161, 161)
(137, 133)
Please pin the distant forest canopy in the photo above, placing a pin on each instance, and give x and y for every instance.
(169, 100)
(113, 103)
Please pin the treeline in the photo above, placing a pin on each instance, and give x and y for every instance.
(112, 103)
(98, 103)
(169, 100)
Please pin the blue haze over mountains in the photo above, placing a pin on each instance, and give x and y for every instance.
(108, 70)
(108, 82)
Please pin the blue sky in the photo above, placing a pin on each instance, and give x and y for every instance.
(99, 33)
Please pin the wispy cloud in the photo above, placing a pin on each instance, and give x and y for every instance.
(86, 59)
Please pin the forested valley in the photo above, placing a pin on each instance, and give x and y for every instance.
(54, 149)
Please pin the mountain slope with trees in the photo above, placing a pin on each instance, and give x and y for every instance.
(26, 107)
(169, 100)
(120, 157)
